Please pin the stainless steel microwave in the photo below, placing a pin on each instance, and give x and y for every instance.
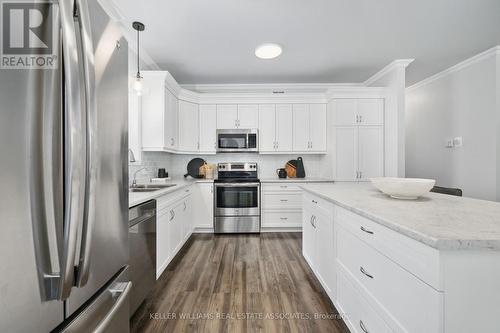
(237, 140)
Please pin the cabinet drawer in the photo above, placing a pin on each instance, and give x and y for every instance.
(281, 201)
(419, 259)
(316, 203)
(281, 219)
(358, 314)
(399, 292)
(279, 187)
(169, 198)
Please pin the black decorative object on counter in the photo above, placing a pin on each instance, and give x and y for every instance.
(301, 172)
(281, 173)
(162, 173)
(193, 167)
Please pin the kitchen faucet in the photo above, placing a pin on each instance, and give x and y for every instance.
(134, 181)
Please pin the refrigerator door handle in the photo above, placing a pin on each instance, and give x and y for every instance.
(74, 178)
(122, 296)
(91, 137)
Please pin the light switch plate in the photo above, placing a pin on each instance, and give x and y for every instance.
(457, 142)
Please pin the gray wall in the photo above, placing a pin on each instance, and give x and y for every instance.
(462, 103)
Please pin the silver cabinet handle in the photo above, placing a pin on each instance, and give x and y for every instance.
(185, 206)
(75, 173)
(283, 218)
(172, 214)
(123, 293)
(283, 186)
(92, 159)
(366, 230)
(362, 270)
(171, 141)
(283, 200)
(313, 219)
(357, 119)
(360, 174)
(277, 145)
(363, 327)
(360, 118)
(314, 201)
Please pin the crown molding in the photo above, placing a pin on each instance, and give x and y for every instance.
(269, 88)
(455, 68)
(398, 63)
(115, 13)
(356, 92)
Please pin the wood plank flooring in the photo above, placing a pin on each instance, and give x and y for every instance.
(238, 283)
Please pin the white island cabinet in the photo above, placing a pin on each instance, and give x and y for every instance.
(404, 266)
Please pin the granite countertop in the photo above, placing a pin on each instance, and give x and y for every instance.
(296, 180)
(441, 221)
(136, 198)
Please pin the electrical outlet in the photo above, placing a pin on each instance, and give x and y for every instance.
(457, 142)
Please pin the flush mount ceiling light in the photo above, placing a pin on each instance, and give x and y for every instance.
(268, 51)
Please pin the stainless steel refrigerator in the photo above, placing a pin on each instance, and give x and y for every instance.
(63, 170)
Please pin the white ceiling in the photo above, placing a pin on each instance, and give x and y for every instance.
(334, 41)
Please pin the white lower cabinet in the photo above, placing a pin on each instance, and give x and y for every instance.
(373, 275)
(318, 246)
(173, 226)
(203, 201)
(281, 206)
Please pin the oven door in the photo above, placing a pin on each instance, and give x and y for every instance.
(237, 199)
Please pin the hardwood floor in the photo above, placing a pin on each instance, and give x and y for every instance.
(238, 283)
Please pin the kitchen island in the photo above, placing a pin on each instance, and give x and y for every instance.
(426, 265)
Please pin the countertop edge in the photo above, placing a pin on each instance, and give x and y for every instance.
(436, 243)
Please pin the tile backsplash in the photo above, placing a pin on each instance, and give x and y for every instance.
(175, 165)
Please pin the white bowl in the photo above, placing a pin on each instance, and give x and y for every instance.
(403, 188)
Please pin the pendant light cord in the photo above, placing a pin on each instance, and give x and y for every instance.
(138, 71)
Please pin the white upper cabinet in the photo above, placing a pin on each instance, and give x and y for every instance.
(208, 126)
(267, 128)
(232, 116)
(227, 116)
(189, 127)
(345, 112)
(317, 127)
(301, 140)
(371, 111)
(248, 116)
(359, 138)
(365, 111)
(171, 121)
(275, 128)
(159, 114)
(284, 127)
(309, 128)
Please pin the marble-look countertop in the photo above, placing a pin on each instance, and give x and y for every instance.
(296, 180)
(136, 198)
(441, 221)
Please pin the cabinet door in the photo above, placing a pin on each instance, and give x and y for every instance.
(171, 124)
(317, 127)
(308, 235)
(267, 128)
(208, 126)
(301, 127)
(371, 151)
(371, 111)
(248, 116)
(284, 127)
(177, 228)
(172, 231)
(325, 256)
(345, 112)
(162, 247)
(188, 126)
(204, 203)
(186, 219)
(153, 112)
(227, 116)
(346, 153)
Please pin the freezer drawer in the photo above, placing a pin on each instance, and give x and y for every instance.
(108, 311)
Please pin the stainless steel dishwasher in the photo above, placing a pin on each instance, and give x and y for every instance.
(142, 238)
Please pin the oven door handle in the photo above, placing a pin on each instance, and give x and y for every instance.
(237, 185)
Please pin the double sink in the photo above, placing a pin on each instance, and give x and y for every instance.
(149, 187)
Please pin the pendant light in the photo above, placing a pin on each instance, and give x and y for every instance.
(138, 78)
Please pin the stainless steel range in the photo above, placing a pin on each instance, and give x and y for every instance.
(237, 198)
